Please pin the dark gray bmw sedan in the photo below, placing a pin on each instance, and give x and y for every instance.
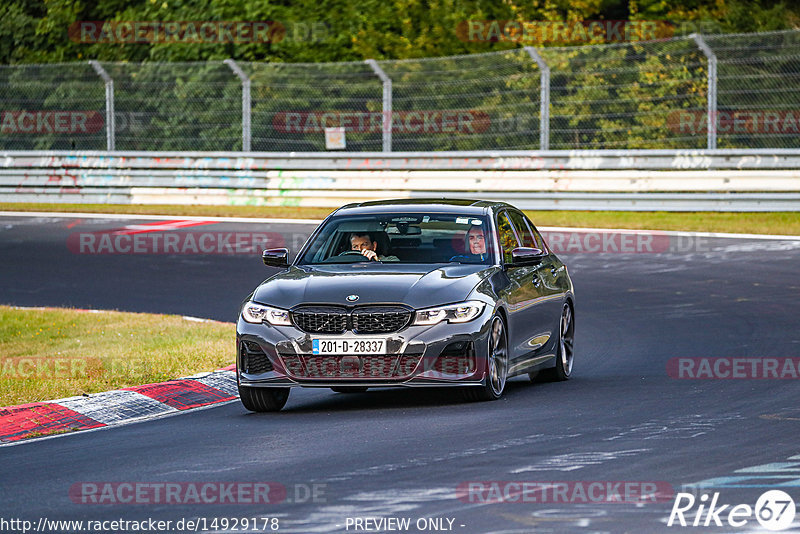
(414, 293)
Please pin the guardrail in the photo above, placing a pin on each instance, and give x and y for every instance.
(682, 180)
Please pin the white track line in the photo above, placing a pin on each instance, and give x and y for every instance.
(671, 232)
(130, 216)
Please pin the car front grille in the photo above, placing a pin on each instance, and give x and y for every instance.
(361, 320)
(374, 366)
(380, 319)
(320, 319)
(254, 360)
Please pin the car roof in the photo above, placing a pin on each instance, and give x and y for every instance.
(427, 205)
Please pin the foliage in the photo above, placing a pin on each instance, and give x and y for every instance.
(604, 96)
(34, 31)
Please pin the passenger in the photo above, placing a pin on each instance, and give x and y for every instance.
(476, 244)
(364, 244)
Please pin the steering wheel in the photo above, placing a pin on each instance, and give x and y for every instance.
(348, 256)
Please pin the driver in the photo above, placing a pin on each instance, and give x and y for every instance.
(364, 244)
(476, 243)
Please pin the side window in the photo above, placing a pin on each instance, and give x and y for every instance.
(539, 239)
(523, 231)
(540, 243)
(508, 241)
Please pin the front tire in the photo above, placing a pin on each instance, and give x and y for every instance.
(496, 365)
(565, 353)
(263, 399)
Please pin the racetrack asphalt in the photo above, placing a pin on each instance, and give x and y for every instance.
(405, 453)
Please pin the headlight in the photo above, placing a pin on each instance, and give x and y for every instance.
(258, 313)
(452, 313)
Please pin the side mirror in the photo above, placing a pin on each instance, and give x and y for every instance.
(276, 257)
(526, 255)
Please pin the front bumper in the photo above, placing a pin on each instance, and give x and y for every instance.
(445, 354)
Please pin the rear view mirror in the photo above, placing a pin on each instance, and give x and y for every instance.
(406, 229)
(276, 257)
(526, 255)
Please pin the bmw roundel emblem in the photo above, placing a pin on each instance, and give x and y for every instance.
(352, 298)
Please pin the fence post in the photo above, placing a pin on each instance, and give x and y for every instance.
(712, 89)
(387, 103)
(109, 83)
(246, 130)
(544, 98)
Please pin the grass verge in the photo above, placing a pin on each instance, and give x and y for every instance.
(783, 223)
(53, 353)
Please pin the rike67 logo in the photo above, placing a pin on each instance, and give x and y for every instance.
(774, 510)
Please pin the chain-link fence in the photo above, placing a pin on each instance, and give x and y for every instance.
(657, 94)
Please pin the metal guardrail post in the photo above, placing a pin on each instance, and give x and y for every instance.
(387, 103)
(246, 103)
(110, 123)
(712, 89)
(544, 98)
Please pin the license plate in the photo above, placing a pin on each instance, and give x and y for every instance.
(348, 346)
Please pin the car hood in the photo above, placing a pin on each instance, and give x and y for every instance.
(418, 286)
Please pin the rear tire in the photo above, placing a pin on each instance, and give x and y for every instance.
(350, 389)
(565, 353)
(263, 399)
(496, 365)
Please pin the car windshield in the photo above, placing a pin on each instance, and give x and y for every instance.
(402, 238)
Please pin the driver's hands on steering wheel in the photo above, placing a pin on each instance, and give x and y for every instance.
(369, 254)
